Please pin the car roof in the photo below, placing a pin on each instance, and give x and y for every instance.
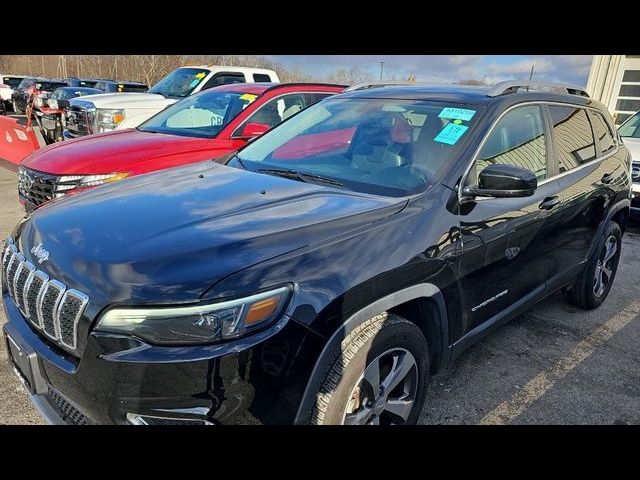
(262, 87)
(462, 94)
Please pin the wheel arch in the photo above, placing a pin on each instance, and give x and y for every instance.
(422, 304)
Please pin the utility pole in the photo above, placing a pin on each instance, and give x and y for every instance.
(531, 74)
(381, 69)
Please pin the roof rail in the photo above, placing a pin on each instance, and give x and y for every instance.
(512, 86)
(367, 85)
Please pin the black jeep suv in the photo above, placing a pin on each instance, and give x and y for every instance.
(326, 270)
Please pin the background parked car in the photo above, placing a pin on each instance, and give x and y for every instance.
(108, 112)
(205, 126)
(7, 85)
(49, 111)
(31, 86)
(81, 82)
(630, 133)
(120, 86)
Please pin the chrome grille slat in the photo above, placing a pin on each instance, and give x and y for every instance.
(46, 303)
(25, 270)
(71, 308)
(48, 307)
(33, 295)
(14, 263)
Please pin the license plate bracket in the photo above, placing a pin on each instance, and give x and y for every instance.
(24, 361)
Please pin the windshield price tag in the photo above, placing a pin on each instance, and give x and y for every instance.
(201, 75)
(249, 97)
(195, 82)
(451, 134)
(457, 113)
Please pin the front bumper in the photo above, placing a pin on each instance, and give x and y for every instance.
(120, 377)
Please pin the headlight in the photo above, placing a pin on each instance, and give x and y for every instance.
(200, 323)
(69, 182)
(108, 119)
(53, 103)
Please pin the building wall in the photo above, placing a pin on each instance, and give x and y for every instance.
(614, 80)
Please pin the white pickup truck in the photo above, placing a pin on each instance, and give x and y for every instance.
(106, 112)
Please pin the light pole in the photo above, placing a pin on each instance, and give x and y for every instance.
(381, 69)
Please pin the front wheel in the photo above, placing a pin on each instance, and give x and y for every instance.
(377, 377)
(594, 283)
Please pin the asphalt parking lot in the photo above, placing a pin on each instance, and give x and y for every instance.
(553, 365)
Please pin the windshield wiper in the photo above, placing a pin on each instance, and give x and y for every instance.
(305, 177)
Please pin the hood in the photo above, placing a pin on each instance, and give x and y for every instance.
(124, 100)
(110, 152)
(168, 236)
(633, 145)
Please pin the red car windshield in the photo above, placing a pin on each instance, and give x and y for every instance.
(202, 115)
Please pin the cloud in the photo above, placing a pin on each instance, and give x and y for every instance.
(449, 68)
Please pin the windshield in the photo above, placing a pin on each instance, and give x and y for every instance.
(13, 82)
(26, 83)
(380, 146)
(203, 115)
(180, 82)
(631, 128)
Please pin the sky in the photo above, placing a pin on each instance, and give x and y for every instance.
(573, 69)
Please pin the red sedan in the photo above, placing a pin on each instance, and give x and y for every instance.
(204, 126)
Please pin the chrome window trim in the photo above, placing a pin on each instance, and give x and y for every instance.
(29, 266)
(555, 177)
(33, 316)
(56, 327)
(84, 299)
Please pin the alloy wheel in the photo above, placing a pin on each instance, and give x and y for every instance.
(386, 391)
(604, 268)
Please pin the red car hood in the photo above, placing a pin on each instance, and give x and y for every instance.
(110, 152)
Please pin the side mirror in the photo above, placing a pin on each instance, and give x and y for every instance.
(503, 181)
(251, 130)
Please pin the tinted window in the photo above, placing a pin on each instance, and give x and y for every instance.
(261, 77)
(281, 108)
(603, 133)
(100, 86)
(381, 146)
(517, 139)
(13, 82)
(201, 115)
(631, 76)
(224, 79)
(574, 144)
(130, 87)
(631, 128)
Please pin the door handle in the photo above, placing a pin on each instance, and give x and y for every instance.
(549, 202)
(607, 178)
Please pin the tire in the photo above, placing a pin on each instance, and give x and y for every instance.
(589, 292)
(346, 396)
(16, 110)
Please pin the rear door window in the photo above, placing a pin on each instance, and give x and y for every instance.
(574, 143)
(261, 78)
